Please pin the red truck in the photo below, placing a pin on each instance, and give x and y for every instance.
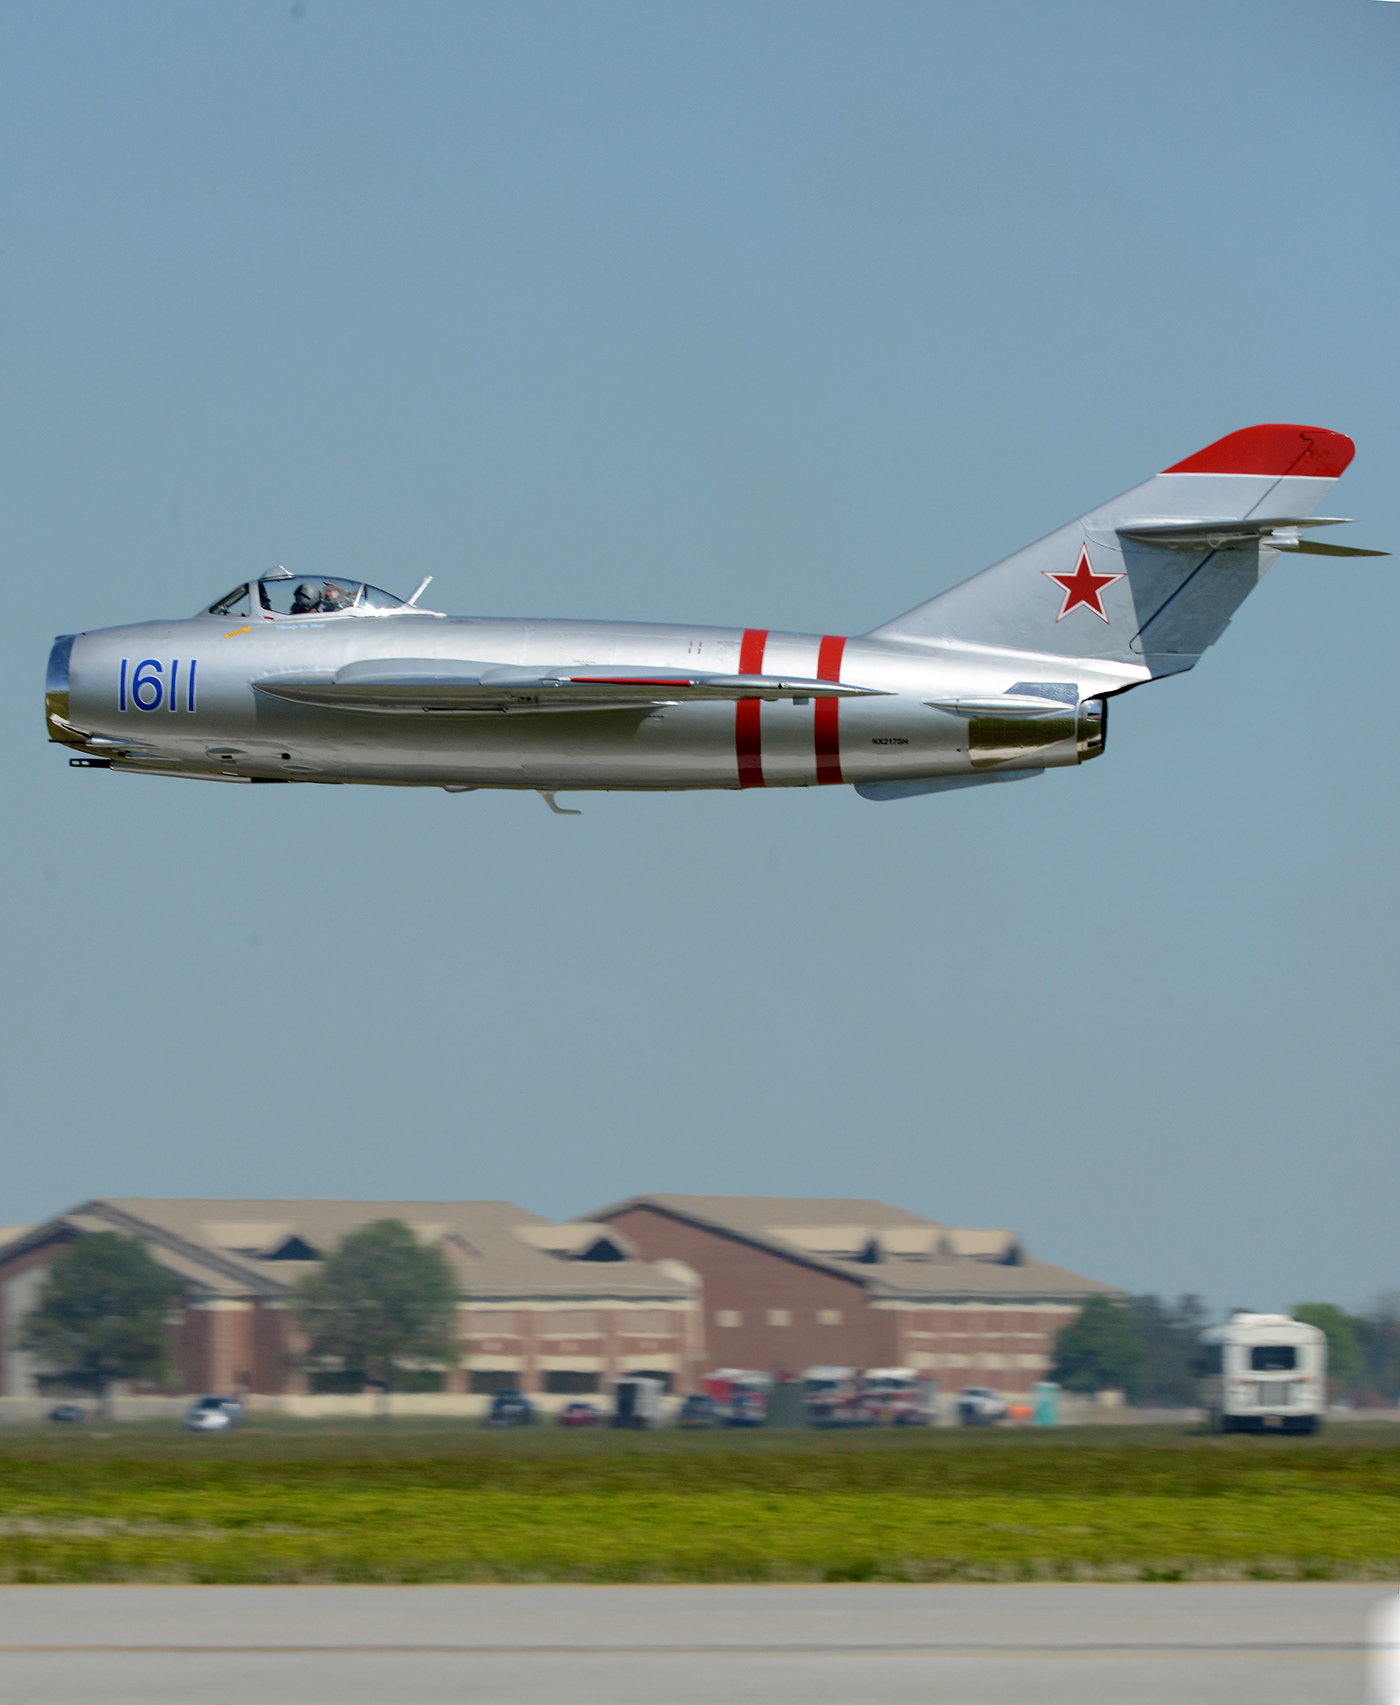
(740, 1396)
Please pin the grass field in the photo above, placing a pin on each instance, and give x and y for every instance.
(417, 1502)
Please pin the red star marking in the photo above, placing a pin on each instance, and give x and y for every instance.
(1082, 587)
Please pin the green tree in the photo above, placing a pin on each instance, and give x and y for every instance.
(1168, 1334)
(101, 1314)
(1379, 1331)
(1343, 1341)
(380, 1300)
(1099, 1351)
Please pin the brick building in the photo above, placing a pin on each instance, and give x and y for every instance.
(794, 1282)
(547, 1308)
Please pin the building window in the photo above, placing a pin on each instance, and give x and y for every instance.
(780, 1317)
(828, 1317)
(567, 1380)
(569, 1323)
(488, 1322)
(729, 1317)
(647, 1322)
(661, 1374)
(488, 1380)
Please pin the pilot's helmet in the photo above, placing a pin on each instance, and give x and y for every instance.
(308, 593)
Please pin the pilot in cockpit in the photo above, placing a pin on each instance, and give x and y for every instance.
(306, 600)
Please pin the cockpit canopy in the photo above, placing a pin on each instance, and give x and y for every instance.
(290, 596)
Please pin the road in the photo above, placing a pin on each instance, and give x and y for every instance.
(1294, 1644)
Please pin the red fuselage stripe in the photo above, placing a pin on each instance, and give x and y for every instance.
(748, 737)
(827, 712)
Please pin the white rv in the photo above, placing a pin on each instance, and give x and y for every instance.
(638, 1401)
(1264, 1373)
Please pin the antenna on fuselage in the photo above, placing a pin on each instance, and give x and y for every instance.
(421, 590)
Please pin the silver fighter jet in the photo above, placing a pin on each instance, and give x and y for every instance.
(306, 678)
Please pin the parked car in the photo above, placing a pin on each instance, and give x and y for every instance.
(510, 1409)
(979, 1406)
(699, 1410)
(213, 1414)
(68, 1412)
(578, 1415)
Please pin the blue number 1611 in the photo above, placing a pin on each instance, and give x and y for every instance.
(148, 686)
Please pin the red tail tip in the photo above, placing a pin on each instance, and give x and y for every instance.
(1275, 450)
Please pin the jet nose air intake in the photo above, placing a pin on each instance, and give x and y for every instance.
(56, 692)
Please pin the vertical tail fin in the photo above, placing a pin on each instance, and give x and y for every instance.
(1152, 577)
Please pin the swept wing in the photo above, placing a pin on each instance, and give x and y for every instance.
(402, 685)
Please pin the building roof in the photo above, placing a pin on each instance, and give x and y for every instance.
(260, 1248)
(892, 1253)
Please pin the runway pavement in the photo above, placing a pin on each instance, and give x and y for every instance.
(1294, 1644)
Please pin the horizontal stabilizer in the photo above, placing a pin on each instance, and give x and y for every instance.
(1220, 535)
(1315, 547)
(1279, 534)
(402, 685)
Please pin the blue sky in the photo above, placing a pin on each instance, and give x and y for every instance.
(783, 316)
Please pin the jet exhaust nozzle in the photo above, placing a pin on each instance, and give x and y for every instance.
(1092, 734)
